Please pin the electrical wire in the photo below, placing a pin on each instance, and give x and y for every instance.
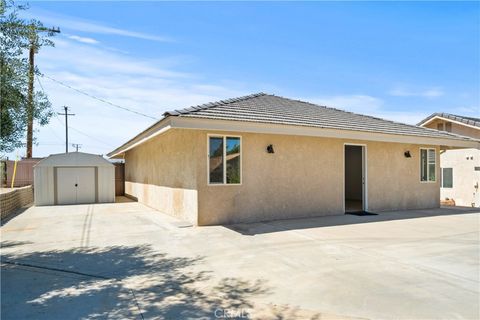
(49, 127)
(83, 133)
(70, 127)
(99, 99)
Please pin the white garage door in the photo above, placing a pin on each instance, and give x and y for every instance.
(75, 185)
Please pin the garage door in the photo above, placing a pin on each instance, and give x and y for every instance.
(75, 185)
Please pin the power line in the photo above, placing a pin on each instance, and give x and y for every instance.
(83, 133)
(91, 137)
(99, 99)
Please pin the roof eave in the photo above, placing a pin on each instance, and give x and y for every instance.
(157, 128)
(272, 128)
(171, 121)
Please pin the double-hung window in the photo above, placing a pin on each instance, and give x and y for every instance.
(224, 160)
(428, 165)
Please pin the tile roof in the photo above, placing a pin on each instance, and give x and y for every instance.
(267, 108)
(467, 120)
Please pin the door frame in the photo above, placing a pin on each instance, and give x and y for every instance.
(364, 174)
(55, 177)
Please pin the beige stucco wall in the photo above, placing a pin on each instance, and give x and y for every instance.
(303, 178)
(394, 180)
(161, 173)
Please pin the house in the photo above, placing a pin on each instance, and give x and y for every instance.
(460, 168)
(263, 157)
(73, 178)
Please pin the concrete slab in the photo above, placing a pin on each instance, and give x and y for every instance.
(125, 260)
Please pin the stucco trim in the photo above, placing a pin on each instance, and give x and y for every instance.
(237, 126)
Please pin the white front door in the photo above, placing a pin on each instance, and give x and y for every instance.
(75, 185)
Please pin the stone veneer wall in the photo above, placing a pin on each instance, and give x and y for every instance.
(15, 199)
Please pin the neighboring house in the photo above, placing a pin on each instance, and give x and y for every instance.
(460, 169)
(263, 157)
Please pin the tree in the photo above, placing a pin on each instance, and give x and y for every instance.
(17, 37)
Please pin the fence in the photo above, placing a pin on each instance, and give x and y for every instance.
(119, 179)
(24, 172)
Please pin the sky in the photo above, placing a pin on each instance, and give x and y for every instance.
(395, 60)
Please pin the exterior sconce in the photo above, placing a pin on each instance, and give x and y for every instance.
(270, 149)
(407, 154)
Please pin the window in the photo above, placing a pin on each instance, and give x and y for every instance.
(224, 160)
(440, 126)
(448, 126)
(427, 165)
(447, 178)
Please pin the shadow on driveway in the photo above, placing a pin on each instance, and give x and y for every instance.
(251, 229)
(120, 282)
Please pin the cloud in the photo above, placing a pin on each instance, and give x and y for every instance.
(101, 29)
(368, 105)
(83, 39)
(150, 86)
(401, 91)
(355, 103)
(73, 23)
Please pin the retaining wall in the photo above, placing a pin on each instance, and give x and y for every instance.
(12, 200)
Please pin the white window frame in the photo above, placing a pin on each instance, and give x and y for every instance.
(428, 167)
(224, 137)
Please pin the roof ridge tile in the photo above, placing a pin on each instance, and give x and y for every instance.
(209, 105)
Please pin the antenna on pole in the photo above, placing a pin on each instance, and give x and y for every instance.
(76, 146)
(66, 114)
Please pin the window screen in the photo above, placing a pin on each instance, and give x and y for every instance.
(428, 165)
(431, 164)
(447, 177)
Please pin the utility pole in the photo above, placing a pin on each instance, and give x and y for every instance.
(76, 146)
(66, 114)
(31, 77)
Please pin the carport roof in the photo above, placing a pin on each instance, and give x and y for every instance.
(262, 108)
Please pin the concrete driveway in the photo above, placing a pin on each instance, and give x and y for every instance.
(128, 261)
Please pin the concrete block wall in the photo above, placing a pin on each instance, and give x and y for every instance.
(15, 199)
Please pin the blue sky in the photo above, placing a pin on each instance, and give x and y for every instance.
(400, 61)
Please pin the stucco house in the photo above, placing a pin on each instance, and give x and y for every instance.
(460, 168)
(263, 157)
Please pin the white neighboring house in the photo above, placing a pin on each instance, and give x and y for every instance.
(460, 168)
